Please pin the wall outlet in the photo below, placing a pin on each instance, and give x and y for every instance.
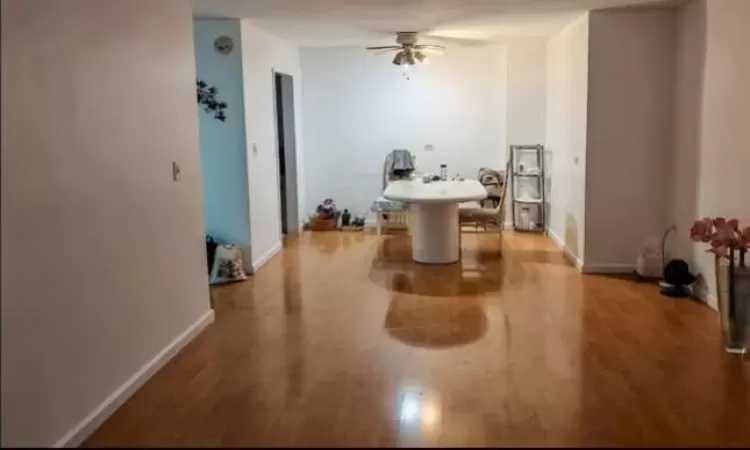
(176, 173)
(429, 148)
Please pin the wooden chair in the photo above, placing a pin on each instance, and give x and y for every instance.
(398, 219)
(475, 213)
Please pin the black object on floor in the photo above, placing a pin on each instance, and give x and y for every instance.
(210, 252)
(677, 275)
(675, 291)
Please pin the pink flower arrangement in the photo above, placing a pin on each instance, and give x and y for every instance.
(721, 234)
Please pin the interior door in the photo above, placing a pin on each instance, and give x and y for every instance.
(288, 151)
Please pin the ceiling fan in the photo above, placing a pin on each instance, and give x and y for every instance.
(409, 52)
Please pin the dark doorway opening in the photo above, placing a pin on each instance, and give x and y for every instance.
(287, 152)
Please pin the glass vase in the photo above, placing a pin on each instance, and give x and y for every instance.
(733, 292)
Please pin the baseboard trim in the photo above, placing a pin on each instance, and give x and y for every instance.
(569, 255)
(711, 301)
(606, 268)
(267, 256)
(88, 425)
(706, 297)
(556, 239)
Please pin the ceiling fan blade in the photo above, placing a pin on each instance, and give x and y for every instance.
(384, 47)
(431, 49)
(388, 50)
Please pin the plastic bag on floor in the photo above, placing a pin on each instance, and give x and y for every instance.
(227, 266)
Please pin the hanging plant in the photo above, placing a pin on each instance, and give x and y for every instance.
(207, 99)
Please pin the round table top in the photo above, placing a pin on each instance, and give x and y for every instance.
(417, 191)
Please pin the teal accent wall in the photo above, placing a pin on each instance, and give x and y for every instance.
(226, 206)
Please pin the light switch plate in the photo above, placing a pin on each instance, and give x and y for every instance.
(176, 171)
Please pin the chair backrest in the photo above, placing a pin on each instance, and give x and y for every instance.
(388, 164)
(387, 169)
(490, 178)
(505, 179)
(508, 179)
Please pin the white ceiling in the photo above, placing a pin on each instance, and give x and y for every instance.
(374, 22)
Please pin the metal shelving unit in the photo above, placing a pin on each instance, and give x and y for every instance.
(535, 174)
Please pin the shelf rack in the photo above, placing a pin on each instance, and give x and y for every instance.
(518, 171)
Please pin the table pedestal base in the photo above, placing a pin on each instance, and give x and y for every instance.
(434, 232)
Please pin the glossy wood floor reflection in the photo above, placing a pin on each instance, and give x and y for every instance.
(343, 341)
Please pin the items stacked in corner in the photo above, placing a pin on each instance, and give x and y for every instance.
(327, 215)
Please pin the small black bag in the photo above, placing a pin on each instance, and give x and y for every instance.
(210, 252)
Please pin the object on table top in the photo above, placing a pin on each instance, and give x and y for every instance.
(430, 178)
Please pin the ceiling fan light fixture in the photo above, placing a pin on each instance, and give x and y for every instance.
(409, 58)
(399, 58)
(408, 52)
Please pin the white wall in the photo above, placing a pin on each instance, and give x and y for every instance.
(226, 206)
(686, 138)
(631, 77)
(358, 107)
(103, 260)
(567, 87)
(711, 179)
(261, 53)
(526, 112)
(526, 90)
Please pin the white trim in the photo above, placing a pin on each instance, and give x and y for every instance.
(573, 258)
(608, 268)
(702, 294)
(605, 268)
(88, 425)
(712, 301)
(569, 255)
(555, 239)
(265, 257)
(246, 258)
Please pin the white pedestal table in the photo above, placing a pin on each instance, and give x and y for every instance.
(434, 215)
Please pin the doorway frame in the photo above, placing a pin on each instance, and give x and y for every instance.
(293, 228)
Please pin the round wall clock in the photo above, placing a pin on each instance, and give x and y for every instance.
(224, 44)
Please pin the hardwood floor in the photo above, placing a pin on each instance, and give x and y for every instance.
(342, 340)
